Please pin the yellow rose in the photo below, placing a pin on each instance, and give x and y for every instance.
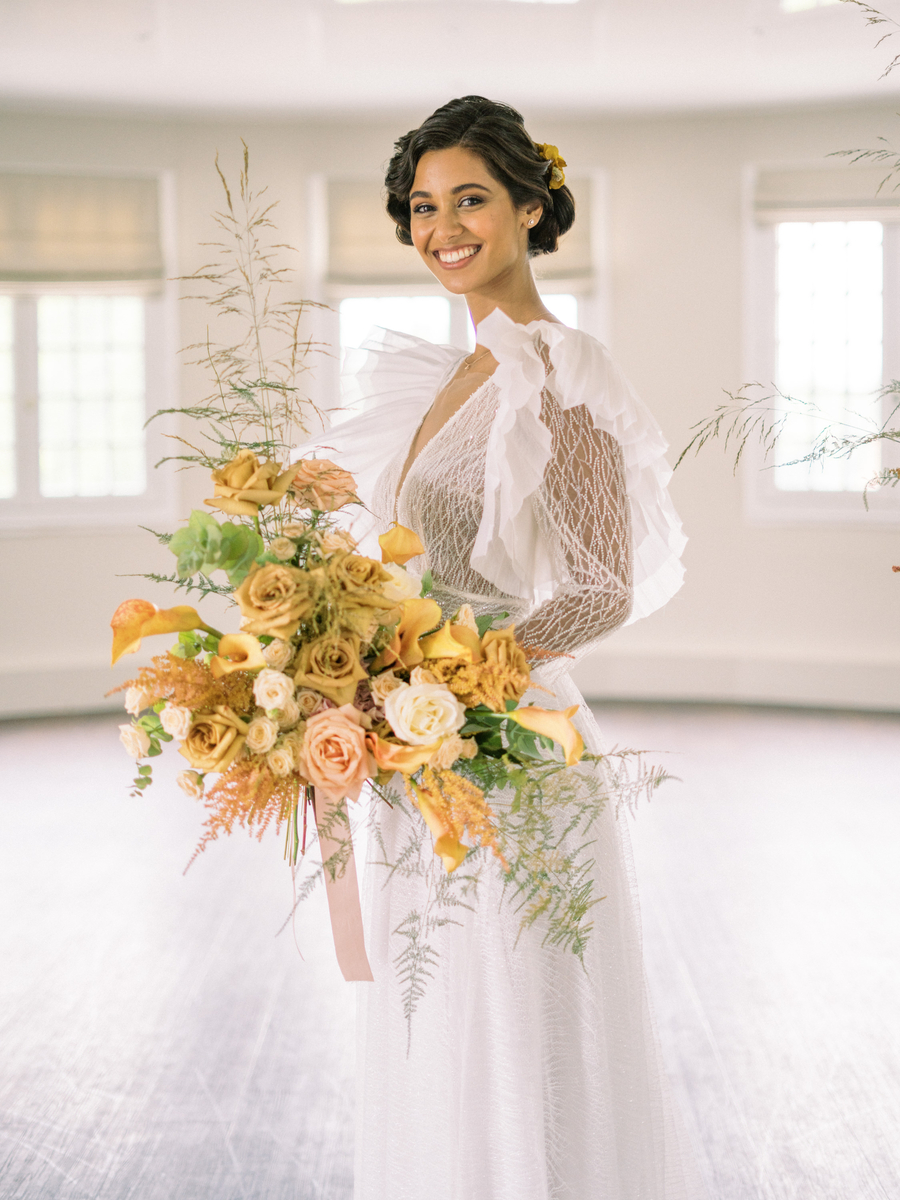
(245, 483)
(214, 739)
(331, 665)
(274, 599)
(319, 484)
(362, 603)
(506, 656)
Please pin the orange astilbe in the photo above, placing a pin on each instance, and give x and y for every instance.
(462, 807)
(190, 683)
(248, 794)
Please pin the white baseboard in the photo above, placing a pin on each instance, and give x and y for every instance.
(722, 677)
(606, 675)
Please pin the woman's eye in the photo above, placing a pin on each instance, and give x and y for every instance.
(470, 201)
(423, 209)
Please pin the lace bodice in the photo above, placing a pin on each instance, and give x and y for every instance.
(581, 511)
(544, 496)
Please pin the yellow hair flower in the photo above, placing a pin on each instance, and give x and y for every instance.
(552, 155)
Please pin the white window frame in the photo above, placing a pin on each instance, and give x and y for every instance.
(764, 503)
(592, 292)
(28, 512)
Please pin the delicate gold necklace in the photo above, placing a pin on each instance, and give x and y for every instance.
(466, 365)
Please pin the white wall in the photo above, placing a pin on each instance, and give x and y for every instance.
(795, 614)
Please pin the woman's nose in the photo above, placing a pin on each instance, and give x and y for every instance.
(448, 223)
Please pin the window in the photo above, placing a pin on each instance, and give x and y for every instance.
(81, 320)
(824, 270)
(829, 344)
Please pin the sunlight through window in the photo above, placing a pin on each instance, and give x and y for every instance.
(829, 335)
(426, 317)
(91, 395)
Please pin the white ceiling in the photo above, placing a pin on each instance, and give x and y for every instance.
(291, 56)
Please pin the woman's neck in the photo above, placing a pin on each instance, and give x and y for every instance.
(517, 297)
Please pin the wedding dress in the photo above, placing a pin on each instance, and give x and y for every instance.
(522, 1074)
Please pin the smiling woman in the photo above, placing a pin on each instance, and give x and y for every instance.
(495, 1063)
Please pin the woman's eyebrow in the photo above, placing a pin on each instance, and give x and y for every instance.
(463, 187)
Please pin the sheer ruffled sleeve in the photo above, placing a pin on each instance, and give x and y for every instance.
(582, 512)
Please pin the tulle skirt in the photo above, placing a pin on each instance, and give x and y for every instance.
(523, 1074)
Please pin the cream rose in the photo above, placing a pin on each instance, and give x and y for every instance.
(262, 734)
(295, 529)
(280, 761)
(214, 740)
(450, 750)
(136, 700)
(423, 713)
(465, 616)
(288, 714)
(135, 740)
(334, 757)
(337, 539)
(308, 702)
(293, 742)
(191, 783)
(282, 548)
(278, 654)
(403, 585)
(382, 685)
(272, 689)
(176, 720)
(422, 675)
(321, 485)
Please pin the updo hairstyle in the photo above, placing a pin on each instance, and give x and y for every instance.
(496, 133)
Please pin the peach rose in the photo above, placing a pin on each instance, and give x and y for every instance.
(334, 757)
(135, 740)
(214, 740)
(274, 599)
(322, 485)
(337, 539)
(136, 700)
(451, 749)
(191, 783)
(283, 548)
(278, 654)
(176, 720)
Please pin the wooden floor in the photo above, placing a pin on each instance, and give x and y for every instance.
(157, 1041)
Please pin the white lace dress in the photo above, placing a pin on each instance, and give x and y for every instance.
(522, 1074)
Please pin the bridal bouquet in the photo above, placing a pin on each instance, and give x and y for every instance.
(343, 672)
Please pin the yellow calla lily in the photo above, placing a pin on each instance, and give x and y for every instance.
(237, 652)
(137, 619)
(453, 641)
(393, 757)
(447, 845)
(399, 545)
(418, 617)
(555, 724)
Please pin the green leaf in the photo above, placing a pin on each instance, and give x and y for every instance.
(486, 620)
(145, 769)
(155, 750)
(427, 583)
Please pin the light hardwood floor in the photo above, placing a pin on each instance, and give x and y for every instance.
(159, 1042)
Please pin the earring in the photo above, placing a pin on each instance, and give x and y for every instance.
(530, 223)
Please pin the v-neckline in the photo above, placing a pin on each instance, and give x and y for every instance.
(409, 470)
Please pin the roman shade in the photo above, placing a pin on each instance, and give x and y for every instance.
(828, 193)
(79, 229)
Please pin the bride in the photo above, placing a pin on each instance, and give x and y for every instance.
(535, 479)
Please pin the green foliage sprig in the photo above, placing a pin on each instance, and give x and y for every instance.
(204, 545)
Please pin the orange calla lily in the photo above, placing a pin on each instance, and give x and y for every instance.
(418, 617)
(453, 641)
(393, 757)
(552, 723)
(447, 845)
(399, 545)
(237, 652)
(137, 619)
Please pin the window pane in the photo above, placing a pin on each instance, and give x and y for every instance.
(91, 395)
(426, 317)
(564, 306)
(829, 334)
(7, 409)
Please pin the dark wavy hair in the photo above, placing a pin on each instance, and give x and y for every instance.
(496, 133)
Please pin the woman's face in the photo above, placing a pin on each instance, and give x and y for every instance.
(464, 223)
